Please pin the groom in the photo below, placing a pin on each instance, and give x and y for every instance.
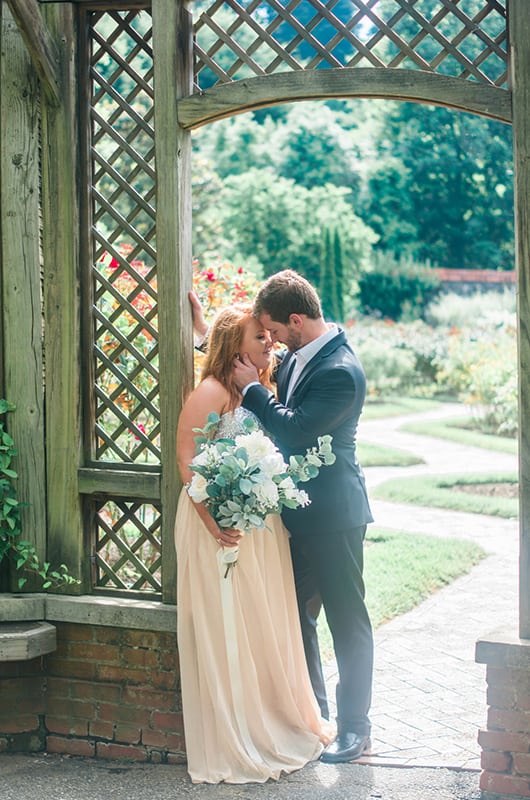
(321, 390)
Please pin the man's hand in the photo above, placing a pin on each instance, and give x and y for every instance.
(244, 372)
(200, 326)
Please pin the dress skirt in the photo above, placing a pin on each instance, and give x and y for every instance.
(249, 709)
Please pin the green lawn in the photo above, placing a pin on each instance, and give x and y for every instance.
(442, 492)
(403, 569)
(395, 406)
(375, 455)
(458, 430)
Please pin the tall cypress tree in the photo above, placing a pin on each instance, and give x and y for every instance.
(328, 280)
(338, 268)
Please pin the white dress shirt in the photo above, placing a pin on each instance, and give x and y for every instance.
(304, 355)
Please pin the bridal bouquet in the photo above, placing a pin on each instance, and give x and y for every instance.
(242, 480)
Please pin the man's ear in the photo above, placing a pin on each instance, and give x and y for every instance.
(296, 320)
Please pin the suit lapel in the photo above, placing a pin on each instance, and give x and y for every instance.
(325, 351)
(284, 373)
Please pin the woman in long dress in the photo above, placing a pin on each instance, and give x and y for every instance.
(249, 709)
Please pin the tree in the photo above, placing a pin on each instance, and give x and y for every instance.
(443, 189)
(314, 150)
(328, 281)
(281, 224)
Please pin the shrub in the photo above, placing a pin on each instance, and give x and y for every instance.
(397, 289)
(398, 357)
(489, 308)
(482, 371)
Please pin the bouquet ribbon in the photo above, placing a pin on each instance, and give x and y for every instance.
(228, 556)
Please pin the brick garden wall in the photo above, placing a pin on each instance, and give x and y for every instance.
(22, 691)
(105, 692)
(506, 741)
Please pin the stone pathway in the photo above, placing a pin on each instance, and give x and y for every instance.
(429, 697)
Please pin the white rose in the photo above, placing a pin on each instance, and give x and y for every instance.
(273, 464)
(257, 446)
(197, 488)
(266, 492)
(206, 456)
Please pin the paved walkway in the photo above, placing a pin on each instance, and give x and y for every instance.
(429, 694)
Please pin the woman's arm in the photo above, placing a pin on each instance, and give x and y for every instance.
(209, 396)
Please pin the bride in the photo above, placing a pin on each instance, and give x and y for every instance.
(249, 709)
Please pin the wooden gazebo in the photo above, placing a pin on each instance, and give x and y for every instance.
(98, 101)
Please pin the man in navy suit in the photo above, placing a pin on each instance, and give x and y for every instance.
(321, 390)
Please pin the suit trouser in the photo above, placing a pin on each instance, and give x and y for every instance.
(328, 572)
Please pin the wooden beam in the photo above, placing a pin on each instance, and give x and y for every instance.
(20, 284)
(519, 30)
(105, 5)
(41, 47)
(173, 45)
(119, 483)
(60, 212)
(227, 99)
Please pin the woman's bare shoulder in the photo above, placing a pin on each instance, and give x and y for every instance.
(210, 394)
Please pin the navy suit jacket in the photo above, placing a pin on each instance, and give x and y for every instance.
(328, 399)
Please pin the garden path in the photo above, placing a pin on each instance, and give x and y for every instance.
(429, 697)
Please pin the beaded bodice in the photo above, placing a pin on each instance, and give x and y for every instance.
(231, 423)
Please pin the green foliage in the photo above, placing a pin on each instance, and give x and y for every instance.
(22, 554)
(281, 224)
(482, 371)
(490, 309)
(441, 187)
(314, 150)
(388, 370)
(396, 288)
(398, 358)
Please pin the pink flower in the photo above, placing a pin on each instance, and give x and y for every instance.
(141, 428)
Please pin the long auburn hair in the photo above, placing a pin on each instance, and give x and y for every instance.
(224, 343)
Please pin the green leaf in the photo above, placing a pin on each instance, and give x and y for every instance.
(245, 485)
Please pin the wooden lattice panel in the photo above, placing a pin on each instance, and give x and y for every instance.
(128, 547)
(459, 38)
(126, 420)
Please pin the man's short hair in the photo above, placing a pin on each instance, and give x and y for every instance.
(286, 293)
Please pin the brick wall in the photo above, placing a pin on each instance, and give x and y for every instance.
(506, 741)
(22, 698)
(105, 692)
(469, 281)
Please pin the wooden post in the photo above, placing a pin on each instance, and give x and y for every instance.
(172, 44)
(20, 284)
(519, 35)
(60, 209)
(41, 48)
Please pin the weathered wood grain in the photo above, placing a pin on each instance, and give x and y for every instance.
(519, 21)
(20, 265)
(227, 99)
(60, 210)
(172, 42)
(41, 47)
(119, 483)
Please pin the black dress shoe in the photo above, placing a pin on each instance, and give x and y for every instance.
(346, 747)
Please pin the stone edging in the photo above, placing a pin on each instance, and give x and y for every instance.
(89, 610)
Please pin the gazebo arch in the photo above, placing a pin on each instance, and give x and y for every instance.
(96, 438)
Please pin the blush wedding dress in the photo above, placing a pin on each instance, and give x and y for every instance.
(249, 709)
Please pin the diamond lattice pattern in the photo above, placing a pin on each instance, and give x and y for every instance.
(128, 547)
(126, 422)
(461, 38)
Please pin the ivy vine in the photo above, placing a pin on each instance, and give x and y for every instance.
(21, 553)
